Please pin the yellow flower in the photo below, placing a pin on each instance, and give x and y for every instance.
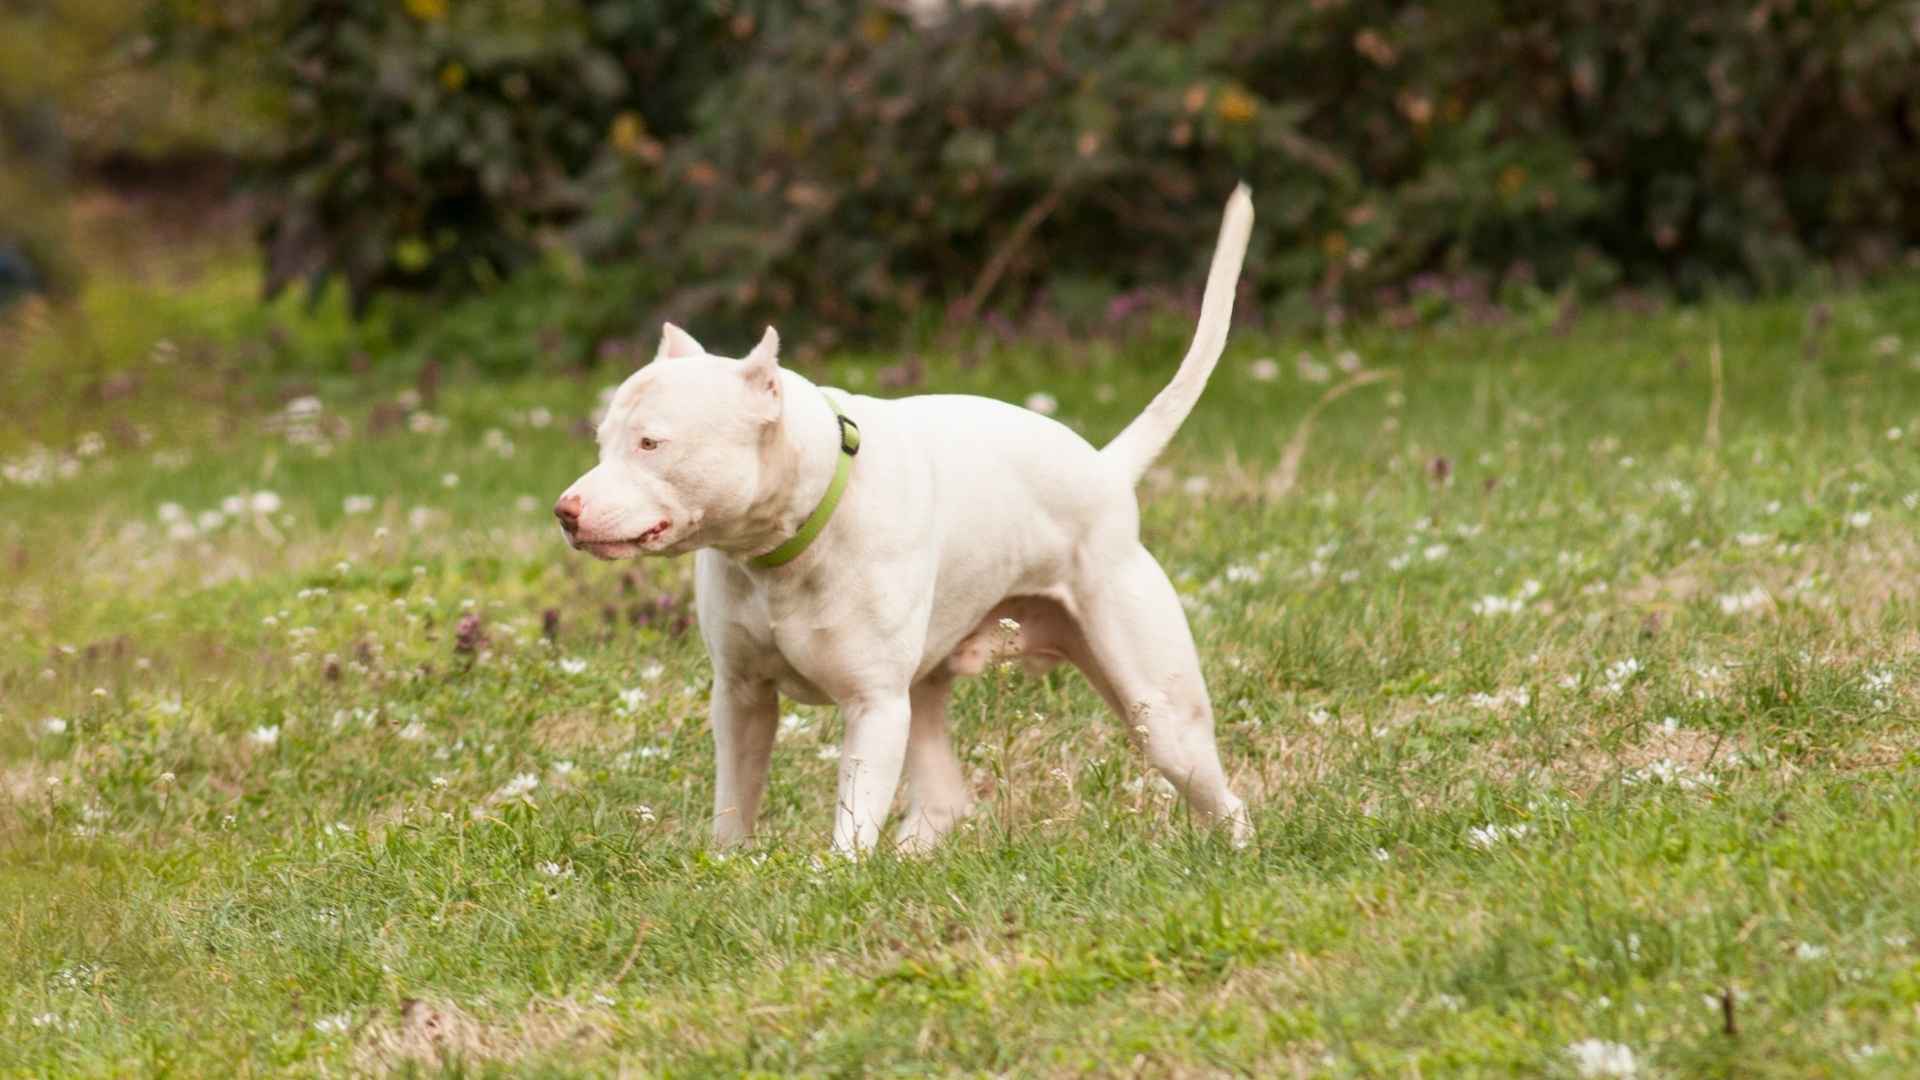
(1236, 106)
(875, 26)
(453, 76)
(1512, 179)
(412, 254)
(427, 10)
(629, 136)
(628, 130)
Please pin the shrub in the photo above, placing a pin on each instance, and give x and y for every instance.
(432, 145)
(859, 168)
(843, 163)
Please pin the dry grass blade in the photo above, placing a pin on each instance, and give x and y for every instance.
(1719, 396)
(1003, 256)
(1287, 473)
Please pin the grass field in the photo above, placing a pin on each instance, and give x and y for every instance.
(1572, 676)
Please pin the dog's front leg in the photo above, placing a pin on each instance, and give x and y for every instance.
(871, 754)
(744, 717)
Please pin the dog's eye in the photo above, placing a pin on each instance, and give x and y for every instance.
(649, 444)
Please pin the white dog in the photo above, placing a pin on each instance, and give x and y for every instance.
(866, 551)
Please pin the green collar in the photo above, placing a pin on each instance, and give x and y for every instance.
(816, 521)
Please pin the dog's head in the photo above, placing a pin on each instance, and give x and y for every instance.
(684, 446)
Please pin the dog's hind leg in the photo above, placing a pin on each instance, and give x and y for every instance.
(1138, 652)
(938, 796)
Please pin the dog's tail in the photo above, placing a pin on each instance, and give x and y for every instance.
(1135, 448)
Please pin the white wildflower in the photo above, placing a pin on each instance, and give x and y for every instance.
(1860, 519)
(1265, 369)
(1487, 837)
(1745, 603)
(521, 784)
(1599, 1058)
(1042, 403)
(571, 665)
(1671, 773)
(1516, 697)
(357, 504)
(1618, 673)
(1156, 785)
(1491, 604)
(264, 735)
(337, 1024)
(54, 725)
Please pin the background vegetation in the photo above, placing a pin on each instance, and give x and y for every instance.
(862, 168)
(1561, 636)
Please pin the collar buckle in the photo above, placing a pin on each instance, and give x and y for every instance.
(849, 434)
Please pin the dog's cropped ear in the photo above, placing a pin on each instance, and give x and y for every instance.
(761, 370)
(675, 342)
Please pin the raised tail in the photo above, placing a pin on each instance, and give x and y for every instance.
(1136, 448)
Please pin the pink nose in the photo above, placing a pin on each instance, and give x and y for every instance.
(568, 511)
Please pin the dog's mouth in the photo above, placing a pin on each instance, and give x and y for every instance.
(616, 549)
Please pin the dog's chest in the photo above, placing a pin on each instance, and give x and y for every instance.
(761, 642)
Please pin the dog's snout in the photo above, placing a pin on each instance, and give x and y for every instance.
(568, 511)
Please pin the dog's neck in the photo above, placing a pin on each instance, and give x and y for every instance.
(802, 453)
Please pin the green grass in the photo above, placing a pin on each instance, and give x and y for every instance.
(260, 814)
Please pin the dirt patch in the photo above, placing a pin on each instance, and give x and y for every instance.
(573, 730)
(439, 1035)
(1678, 755)
(27, 784)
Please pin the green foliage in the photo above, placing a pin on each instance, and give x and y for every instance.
(432, 146)
(845, 165)
(864, 167)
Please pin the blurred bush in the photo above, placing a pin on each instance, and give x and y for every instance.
(857, 167)
(83, 92)
(433, 145)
